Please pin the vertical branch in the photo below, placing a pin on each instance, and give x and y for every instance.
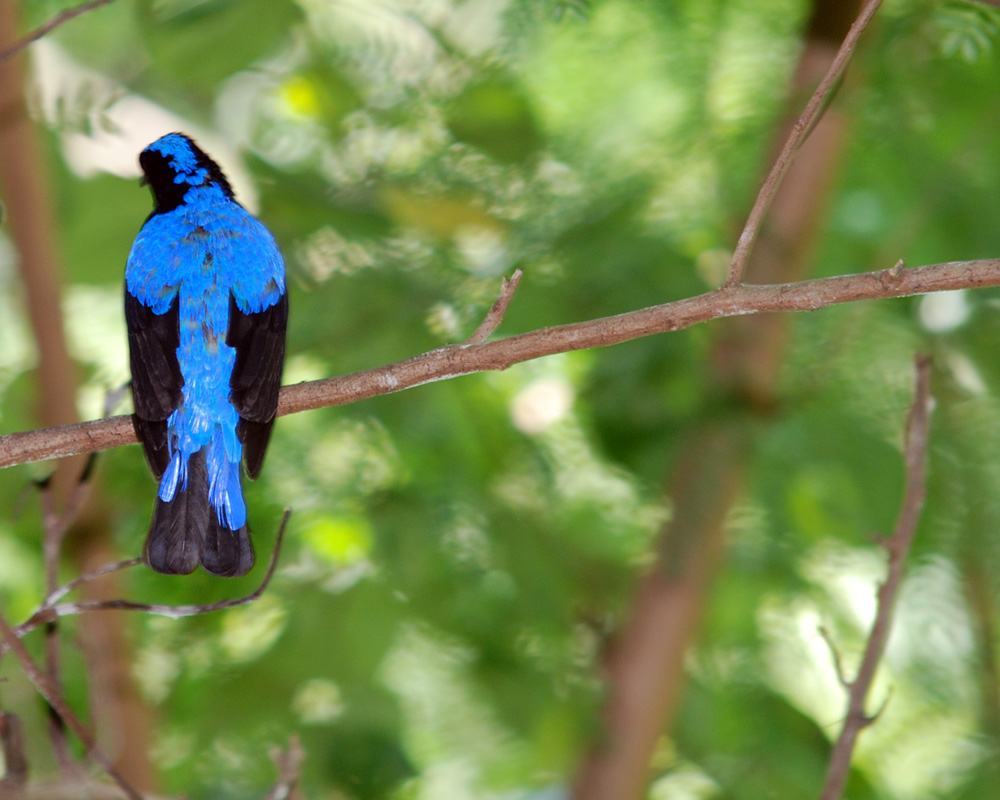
(52, 545)
(30, 220)
(56, 525)
(28, 207)
(15, 760)
(897, 547)
(31, 225)
(289, 764)
(645, 665)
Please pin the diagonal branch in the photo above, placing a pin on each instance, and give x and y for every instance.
(796, 138)
(55, 699)
(897, 546)
(496, 313)
(453, 361)
(51, 25)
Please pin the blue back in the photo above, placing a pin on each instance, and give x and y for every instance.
(200, 254)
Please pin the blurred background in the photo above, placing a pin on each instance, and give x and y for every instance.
(469, 564)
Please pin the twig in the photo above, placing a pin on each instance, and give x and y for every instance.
(800, 132)
(56, 526)
(289, 764)
(897, 547)
(50, 26)
(838, 663)
(87, 577)
(49, 611)
(451, 362)
(496, 313)
(55, 700)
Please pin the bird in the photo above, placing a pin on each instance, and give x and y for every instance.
(206, 309)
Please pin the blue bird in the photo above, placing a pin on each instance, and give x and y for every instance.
(206, 308)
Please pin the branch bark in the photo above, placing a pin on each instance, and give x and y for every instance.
(55, 699)
(51, 610)
(458, 360)
(897, 546)
(800, 132)
(51, 25)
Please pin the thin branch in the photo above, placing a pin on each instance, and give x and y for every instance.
(289, 764)
(838, 662)
(50, 26)
(800, 132)
(57, 702)
(495, 315)
(87, 577)
(56, 525)
(457, 360)
(897, 547)
(50, 611)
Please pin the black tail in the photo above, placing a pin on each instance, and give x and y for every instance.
(186, 531)
(227, 553)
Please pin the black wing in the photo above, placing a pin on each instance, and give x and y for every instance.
(259, 339)
(157, 382)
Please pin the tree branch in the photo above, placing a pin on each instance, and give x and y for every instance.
(55, 699)
(496, 313)
(456, 360)
(51, 610)
(800, 132)
(289, 764)
(897, 546)
(50, 26)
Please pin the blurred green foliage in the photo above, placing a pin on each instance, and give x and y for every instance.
(459, 552)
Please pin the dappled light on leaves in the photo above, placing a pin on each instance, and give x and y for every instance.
(318, 702)
(463, 557)
(250, 632)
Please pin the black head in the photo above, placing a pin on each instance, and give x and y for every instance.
(172, 165)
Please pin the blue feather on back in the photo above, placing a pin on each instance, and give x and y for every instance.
(202, 258)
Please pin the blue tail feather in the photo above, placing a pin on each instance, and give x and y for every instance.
(200, 516)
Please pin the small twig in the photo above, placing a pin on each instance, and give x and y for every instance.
(87, 577)
(50, 611)
(289, 764)
(50, 26)
(58, 703)
(838, 664)
(897, 547)
(56, 525)
(800, 132)
(496, 313)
